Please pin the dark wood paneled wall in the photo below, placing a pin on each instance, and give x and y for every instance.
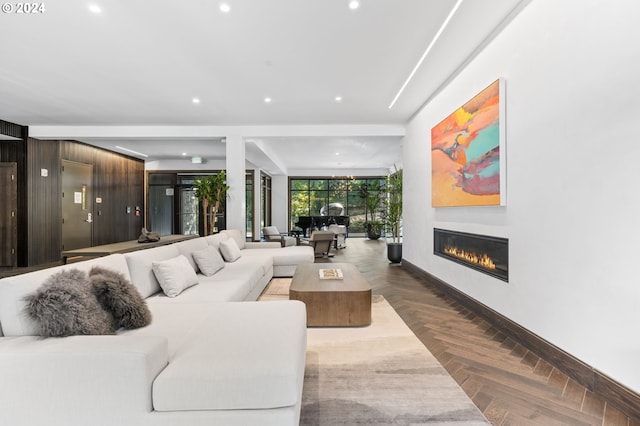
(118, 180)
(43, 196)
(16, 151)
(119, 183)
(8, 210)
(8, 151)
(11, 129)
(135, 191)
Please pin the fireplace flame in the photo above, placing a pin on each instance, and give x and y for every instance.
(481, 260)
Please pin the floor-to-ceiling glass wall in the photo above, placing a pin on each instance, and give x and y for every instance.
(335, 196)
(188, 219)
(172, 207)
(161, 187)
(249, 204)
(265, 200)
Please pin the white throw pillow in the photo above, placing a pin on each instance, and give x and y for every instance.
(208, 260)
(174, 275)
(230, 250)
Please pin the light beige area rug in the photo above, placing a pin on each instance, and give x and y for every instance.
(380, 374)
(277, 289)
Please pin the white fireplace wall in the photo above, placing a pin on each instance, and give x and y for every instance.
(573, 180)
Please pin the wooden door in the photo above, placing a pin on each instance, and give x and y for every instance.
(8, 213)
(77, 205)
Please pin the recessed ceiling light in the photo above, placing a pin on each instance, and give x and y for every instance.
(225, 8)
(94, 8)
(354, 4)
(267, 100)
(184, 154)
(337, 153)
(338, 98)
(195, 100)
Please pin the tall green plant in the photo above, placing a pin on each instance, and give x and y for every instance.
(393, 204)
(371, 194)
(211, 190)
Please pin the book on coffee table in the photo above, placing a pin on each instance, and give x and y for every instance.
(330, 274)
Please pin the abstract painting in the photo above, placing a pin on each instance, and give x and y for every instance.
(467, 150)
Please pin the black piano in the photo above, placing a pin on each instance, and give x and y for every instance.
(317, 222)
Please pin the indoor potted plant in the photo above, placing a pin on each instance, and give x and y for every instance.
(370, 194)
(211, 190)
(393, 215)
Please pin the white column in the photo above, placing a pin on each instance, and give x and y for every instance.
(280, 206)
(236, 202)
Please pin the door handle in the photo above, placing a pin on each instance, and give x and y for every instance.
(89, 218)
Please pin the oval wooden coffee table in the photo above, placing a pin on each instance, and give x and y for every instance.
(332, 302)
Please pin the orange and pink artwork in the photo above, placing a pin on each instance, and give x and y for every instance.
(466, 150)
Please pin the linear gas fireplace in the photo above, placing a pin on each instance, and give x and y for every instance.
(481, 252)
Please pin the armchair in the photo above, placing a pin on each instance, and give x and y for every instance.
(341, 235)
(321, 242)
(271, 233)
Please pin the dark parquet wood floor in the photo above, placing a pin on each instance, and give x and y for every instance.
(510, 385)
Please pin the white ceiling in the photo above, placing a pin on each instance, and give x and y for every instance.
(68, 72)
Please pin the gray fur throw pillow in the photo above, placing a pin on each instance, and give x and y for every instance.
(65, 306)
(119, 297)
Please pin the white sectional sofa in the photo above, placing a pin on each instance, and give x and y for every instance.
(211, 356)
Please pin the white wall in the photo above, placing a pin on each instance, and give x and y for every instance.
(279, 202)
(571, 70)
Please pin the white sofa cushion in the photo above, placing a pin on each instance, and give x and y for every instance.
(284, 259)
(230, 250)
(174, 275)
(293, 255)
(233, 359)
(237, 236)
(79, 380)
(215, 239)
(14, 320)
(205, 292)
(173, 319)
(261, 245)
(187, 248)
(139, 263)
(209, 260)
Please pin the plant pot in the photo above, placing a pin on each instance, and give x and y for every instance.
(373, 235)
(373, 232)
(394, 252)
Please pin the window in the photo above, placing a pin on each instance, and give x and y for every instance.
(189, 213)
(160, 202)
(173, 207)
(249, 203)
(326, 196)
(265, 200)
